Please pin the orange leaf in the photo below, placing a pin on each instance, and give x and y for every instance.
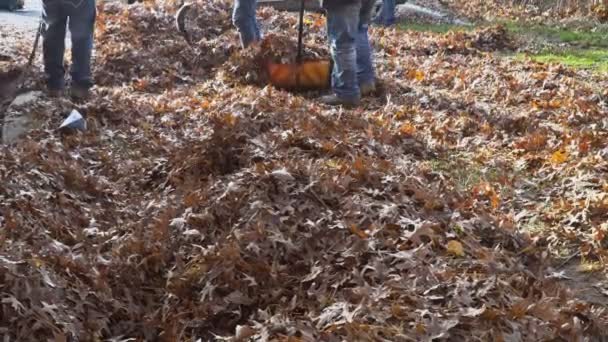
(584, 146)
(359, 165)
(141, 85)
(559, 157)
(355, 230)
(494, 200)
(533, 142)
(319, 22)
(328, 146)
(230, 120)
(540, 104)
(486, 128)
(599, 234)
(455, 248)
(414, 74)
(407, 129)
(205, 104)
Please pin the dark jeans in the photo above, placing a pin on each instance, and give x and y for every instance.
(79, 15)
(243, 17)
(347, 27)
(386, 16)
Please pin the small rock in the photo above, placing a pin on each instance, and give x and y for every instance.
(16, 125)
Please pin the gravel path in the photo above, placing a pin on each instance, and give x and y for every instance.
(26, 19)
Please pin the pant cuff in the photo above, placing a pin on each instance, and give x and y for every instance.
(55, 85)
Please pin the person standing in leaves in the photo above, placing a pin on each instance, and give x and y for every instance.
(79, 16)
(386, 17)
(353, 74)
(243, 17)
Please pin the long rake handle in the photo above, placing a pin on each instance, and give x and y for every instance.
(30, 61)
(300, 32)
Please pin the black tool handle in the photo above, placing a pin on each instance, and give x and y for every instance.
(33, 53)
(180, 21)
(300, 32)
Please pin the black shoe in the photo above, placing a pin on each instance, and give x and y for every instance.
(54, 93)
(79, 93)
(368, 89)
(335, 100)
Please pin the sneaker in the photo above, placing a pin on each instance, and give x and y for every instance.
(335, 100)
(79, 93)
(368, 89)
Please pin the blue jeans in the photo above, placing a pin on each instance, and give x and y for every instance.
(386, 16)
(347, 26)
(243, 17)
(79, 15)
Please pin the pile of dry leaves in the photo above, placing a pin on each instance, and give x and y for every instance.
(194, 208)
(536, 10)
(142, 47)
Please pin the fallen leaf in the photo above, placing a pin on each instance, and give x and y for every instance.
(407, 129)
(360, 233)
(417, 75)
(559, 157)
(455, 248)
(473, 312)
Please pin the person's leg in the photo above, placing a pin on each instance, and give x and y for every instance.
(82, 26)
(366, 75)
(388, 12)
(243, 17)
(53, 43)
(342, 30)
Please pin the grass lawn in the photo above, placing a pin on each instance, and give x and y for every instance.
(592, 59)
(577, 48)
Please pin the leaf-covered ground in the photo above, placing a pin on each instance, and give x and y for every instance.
(203, 205)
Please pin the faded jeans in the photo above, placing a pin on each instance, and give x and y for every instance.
(79, 16)
(347, 28)
(386, 17)
(243, 17)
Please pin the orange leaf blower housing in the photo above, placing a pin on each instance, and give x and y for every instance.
(308, 75)
(303, 75)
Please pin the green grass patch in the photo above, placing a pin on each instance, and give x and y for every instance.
(464, 173)
(570, 46)
(597, 37)
(591, 59)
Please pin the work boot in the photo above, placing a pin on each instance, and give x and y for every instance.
(368, 89)
(79, 93)
(335, 100)
(54, 93)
